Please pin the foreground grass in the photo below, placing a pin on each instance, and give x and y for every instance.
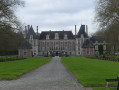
(92, 72)
(14, 69)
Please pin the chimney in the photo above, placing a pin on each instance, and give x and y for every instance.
(37, 30)
(75, 30)
(28, 27)
(25, 32)
(87, 29)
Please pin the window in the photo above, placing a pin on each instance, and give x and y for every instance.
(42, 43)
(70, 53)
(88, 51)
(96, 47)
(56, 36)
(96, 42)
(56, 48)
(34, 43)
(65, 36)
(25, 53)
(56, 43)
(47, 43)
(47, 37)
(104, 47)
(31, 37)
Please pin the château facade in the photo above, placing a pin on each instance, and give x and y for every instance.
(63, 43)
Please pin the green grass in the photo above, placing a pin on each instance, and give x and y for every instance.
(104, 89)
(14, 69)
(92, 72)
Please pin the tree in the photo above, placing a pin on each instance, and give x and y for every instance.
(107, 12)
(8, 25)
(107, 15)
(7, 16)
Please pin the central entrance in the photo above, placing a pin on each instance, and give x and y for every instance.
(57, 53)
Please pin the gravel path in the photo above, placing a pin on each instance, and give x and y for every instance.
(52, 76)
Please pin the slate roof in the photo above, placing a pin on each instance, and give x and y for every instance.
(100, 39)
(88, 44)
(31, 32)
(82, 31)
(75, 36)
(25, 45)
(52, 35)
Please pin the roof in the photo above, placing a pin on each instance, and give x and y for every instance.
(82, 31)
(52, 35)
(31, 32)
(100, 39)
(75, 36)
(88, 44)
(25, 45)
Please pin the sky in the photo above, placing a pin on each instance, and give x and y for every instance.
(58, 15)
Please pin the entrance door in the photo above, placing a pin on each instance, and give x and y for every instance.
(57, 54)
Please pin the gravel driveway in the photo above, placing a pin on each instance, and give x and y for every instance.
(51, 76)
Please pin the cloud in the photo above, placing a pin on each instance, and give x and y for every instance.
(58, 14)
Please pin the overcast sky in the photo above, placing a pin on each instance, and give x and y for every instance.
(58, 14)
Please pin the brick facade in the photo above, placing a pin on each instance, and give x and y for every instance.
(91, 52)
(25, 52)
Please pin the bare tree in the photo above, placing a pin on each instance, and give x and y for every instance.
(107, 15)
(107, 12)
(8, 24)
(7, 16)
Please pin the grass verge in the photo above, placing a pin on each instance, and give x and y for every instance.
(14, 69)
(92, 72)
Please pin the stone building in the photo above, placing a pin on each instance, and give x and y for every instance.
(88, 48)
(25, 49)
(61, 43)
(99, 45)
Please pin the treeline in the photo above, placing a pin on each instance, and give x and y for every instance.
(10, 27)
(9, 42)
(107, 16)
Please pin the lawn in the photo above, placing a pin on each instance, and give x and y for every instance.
(92, 72)
(14, 69)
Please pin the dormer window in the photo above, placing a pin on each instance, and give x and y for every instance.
(65, 36)
(96, 42)
(47, 37)
(31, 37)
(56, 36)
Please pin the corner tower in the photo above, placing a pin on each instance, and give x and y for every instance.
(81, 37)
(32, 39)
